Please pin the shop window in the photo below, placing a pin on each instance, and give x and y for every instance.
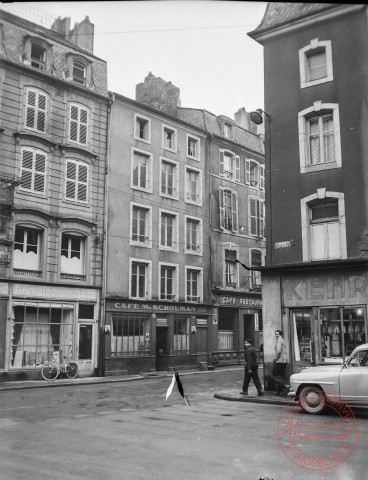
(194, 284)
(342, 329)
(27, 251)
(141, 170)
(181, 334)
(226, 333)
(78, 124)
(142, 128)
(228, 209)
(36, 110)
(169, 179)
(315, 62)
(193, 186)
(72, 259)
(229, 165)
(40, 332)
(33, 170)
(130, 335)
(303, 351)
(76, 181)
(141, 225)
(168, 282)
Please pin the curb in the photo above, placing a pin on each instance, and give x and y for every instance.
(262, 400)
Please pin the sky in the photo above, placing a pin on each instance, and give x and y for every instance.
(202, 47)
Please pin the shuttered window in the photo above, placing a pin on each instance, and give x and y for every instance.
(228, 209)
(33, 170)
(256, 217)
(36, 104)
(78, 124)
(76, 182)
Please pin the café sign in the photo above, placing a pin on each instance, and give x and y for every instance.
(241, 301)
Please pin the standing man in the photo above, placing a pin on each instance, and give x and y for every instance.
(279, 364)
(250, 368)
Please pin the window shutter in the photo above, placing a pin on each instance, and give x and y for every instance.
(253, 217)
(74, 123)
(262, 219)
(41, 112)
(247, 172)
(237, 169)
(31, 109)
(82, 185)
(71, 172)
(261, 177)
(222, 208)
(222, 162)
(27, 163)
(40, 166)
(83, 126)
(235, 211)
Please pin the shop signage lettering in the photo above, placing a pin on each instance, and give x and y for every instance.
(162, 308)
(285, 244)
(328, 288)
(243, 301)
(54, 292)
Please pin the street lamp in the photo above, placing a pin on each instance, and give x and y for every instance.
(257, 117)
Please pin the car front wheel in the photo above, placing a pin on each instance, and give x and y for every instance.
(312, 400)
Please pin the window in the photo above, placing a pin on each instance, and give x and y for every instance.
(37, 53)
(256, 209)
(169, 178)
(41, 332)
(194, 284)
(315, 62)
(72, 255)
(319, 137)
(169, 138)
(226, 331)
(253, 173)
(193, 144)
(38, 56)
(27, 249)
(229, 165)
(168, 282)
(140, 283)
(323, 226)
(231, 269)
(130, 334)
(228, 210)
(193, 186)
(181, 334)
(78, 124)
(193, 236)
(76, 181)
(168, 231)
(142, 128)
(227, 130)
(255, 261)
(141, 225)
(35, 115)
(261, 177)
(33, 170)
(141, 170)
(79, 72)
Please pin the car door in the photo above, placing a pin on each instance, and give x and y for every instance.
(354, 379)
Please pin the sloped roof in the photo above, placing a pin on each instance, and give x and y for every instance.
(211, 123)
(282, 13)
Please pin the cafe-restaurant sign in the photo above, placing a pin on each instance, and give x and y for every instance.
(240, 301)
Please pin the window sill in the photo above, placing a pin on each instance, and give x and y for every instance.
(72, 276)
(27, 273)
(319, 167)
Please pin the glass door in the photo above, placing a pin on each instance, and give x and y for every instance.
(85, 347)
(302, 341)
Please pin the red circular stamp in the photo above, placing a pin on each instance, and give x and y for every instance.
(317, 443)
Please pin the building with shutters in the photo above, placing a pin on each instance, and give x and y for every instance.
(315, 279)
(53, 127)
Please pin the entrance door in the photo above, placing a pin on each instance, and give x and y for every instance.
(302, 341)
(85, 347)
(162, 348)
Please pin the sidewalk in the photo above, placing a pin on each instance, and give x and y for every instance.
(229, 394)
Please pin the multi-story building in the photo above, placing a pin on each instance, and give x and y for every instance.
(236, 198)
(53, 114)
(175, 296)
(316, 274)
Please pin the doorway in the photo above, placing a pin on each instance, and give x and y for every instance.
(85, 347)
(302, 339)
(162, 348)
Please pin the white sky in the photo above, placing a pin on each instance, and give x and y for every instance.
(202, 47)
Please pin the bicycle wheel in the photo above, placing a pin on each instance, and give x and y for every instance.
(71, 369)
(50, 371)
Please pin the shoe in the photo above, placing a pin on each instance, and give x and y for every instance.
(243, 393)
(285, 391)
(260, 394)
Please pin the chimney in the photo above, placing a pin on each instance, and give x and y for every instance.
(242, 118)
(82, 35)
(62, 25)
(157, 93)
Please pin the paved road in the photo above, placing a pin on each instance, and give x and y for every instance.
(128, 431)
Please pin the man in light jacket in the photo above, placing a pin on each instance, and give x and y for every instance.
(279, 364)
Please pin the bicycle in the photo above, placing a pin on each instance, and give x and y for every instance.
(52, 369)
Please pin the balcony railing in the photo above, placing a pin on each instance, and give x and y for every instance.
(27, 273)
(71, 276)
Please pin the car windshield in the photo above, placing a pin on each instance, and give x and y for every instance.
(359, 359)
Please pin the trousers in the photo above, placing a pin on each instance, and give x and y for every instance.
(278, 375)
(248, 376)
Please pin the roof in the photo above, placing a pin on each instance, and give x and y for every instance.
(211, 123)
(278, 14)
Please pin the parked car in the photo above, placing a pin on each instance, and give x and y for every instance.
(349, 381)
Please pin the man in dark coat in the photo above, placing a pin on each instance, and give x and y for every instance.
(250, 368)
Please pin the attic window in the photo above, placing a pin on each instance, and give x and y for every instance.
(38, 56)
(79, 73)
(37, 53)
(227, 130)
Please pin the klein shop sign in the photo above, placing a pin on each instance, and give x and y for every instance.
(64, 293)
(285, 244)
(159, 307)
(241, 301)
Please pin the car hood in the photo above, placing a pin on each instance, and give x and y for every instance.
(322, 370)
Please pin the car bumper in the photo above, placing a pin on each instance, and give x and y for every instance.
(291, 394)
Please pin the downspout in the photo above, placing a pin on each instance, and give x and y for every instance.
(101, 362)
(210, 277)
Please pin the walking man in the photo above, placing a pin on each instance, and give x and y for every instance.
(279, 364)
(250, 368)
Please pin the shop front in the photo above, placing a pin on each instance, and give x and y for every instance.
(153, 336)
(238, 317)
(45, 322)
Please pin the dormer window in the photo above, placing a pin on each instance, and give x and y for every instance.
(38, 56)
(37, 53)
(79, 70)
(227, 130)
(79, 73)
